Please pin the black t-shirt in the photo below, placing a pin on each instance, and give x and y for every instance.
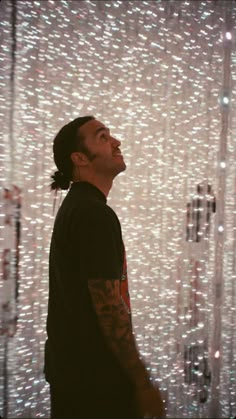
(86, 243)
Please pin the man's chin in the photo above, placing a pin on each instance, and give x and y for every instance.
(123, 166)
(120, 169)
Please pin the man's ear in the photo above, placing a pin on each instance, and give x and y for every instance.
(79, 159)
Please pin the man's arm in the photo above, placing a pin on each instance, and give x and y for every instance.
(116, 326)
(100, 242)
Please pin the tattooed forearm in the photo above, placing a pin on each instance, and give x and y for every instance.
(116, 325)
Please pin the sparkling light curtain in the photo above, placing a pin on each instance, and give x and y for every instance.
(161, 75)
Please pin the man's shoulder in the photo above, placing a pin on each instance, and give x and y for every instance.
(87, 211)
(99, 211)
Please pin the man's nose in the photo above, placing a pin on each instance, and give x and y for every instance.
(115, 142)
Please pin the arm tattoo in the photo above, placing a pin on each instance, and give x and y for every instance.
(116, 325)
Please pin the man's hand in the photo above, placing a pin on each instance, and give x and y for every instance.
(150, 402)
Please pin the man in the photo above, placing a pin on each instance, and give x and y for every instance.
(91, 360)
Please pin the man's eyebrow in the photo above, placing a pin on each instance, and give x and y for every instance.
(101, 129)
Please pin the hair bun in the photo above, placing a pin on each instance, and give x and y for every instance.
(60, 181)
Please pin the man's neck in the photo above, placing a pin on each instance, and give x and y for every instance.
(104, 185)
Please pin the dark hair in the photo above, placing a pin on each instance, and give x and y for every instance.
(66, 141)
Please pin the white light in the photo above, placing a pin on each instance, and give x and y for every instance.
(217, 354)
(228, 35)
(223, 164)
(225, 100)
(220, 229)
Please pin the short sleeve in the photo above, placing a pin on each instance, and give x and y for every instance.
(99, 243)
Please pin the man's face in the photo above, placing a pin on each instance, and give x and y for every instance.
(107, 158)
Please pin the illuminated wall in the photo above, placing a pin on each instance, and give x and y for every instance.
(161, 75)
